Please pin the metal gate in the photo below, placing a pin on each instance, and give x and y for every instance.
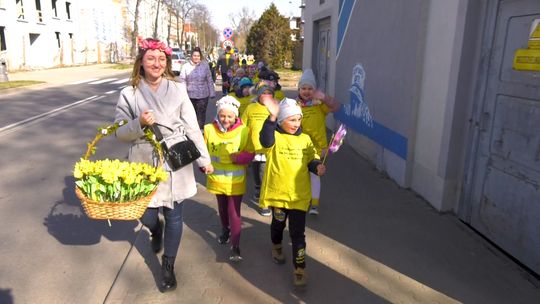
(502, 195)
(322, 52)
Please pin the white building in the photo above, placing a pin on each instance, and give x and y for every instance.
(443, 96)
(42, 34)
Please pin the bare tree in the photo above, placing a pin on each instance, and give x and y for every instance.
(155, 34)
(183, 9)
(205, 30)
(242, 23)
(135, 32)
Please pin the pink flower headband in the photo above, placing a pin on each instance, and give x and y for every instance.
(150, 44)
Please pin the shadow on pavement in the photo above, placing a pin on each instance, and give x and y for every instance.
(5, 296)
(325, 285)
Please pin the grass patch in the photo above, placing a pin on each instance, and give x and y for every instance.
(289, 77)
(18, 83)
(122, 66)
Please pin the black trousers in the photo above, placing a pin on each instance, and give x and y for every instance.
(200, 105)
(297, 228)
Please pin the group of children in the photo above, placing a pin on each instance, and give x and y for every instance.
(283, 139)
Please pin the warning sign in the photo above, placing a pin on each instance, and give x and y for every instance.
(529, 59)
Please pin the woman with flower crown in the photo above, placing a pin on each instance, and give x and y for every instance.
(153, 98)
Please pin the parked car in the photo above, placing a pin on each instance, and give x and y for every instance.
(178, 59)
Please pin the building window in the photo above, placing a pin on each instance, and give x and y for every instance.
(38, 11)
(33, 38)
(3, 45)
(58, 38)
(53, 6)
(20, 9)
(321, 2)
(68, 10)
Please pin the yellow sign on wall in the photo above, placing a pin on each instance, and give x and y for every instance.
(529, 59)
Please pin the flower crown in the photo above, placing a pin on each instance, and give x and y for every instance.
(150, 44)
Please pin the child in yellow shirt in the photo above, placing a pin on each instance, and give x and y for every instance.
(227, 141)
(254, 117)
(315, 106)
(291, 156)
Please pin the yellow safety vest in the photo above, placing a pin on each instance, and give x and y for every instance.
(286, 183)
(228, 178)
(244, 102)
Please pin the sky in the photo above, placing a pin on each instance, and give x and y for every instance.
(221, 9)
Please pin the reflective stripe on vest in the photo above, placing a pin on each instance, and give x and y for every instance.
(229, 173)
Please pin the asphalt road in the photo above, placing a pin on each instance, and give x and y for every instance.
(49, 249)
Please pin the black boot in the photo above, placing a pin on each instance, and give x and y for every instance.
(224, 237)
(168, 279)
(157, 238)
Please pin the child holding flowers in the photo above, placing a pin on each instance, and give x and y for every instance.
(291, 156)
(227, 138)
(315, 106)
(154, 98)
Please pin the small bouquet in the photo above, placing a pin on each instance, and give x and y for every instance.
(108, 189)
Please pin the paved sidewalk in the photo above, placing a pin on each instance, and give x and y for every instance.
(372, 243)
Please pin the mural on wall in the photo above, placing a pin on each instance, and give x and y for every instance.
(357, 116)
(358, 107)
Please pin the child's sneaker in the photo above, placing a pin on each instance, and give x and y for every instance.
(314, 210)
(235, 254)
(265, 212)
(277, 254)
(299, 277)
(224, 237)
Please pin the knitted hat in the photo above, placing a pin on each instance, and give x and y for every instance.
(307, 78)
(266, 74)
(245, 81)
(261, 88)
(228, 102)
(288, 107)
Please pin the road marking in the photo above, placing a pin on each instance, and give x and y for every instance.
(121, 81)
(110, 92)
(103, 81)
(83, 81)
(14, 126)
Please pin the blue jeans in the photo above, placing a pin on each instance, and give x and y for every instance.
(173, 226)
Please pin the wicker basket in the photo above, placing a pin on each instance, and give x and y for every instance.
(113, 210)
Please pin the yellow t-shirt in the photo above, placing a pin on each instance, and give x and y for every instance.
(286, 182)
(253, 117)
(314, 124)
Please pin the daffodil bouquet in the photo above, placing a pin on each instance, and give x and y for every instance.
(114, 180)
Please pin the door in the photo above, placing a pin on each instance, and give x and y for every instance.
(503, 196)
(322, 52)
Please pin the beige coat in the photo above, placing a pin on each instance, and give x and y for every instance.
(172, 108)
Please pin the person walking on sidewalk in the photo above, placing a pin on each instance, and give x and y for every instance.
(196, 76)
(254, 117)
(227, 140)
(225, 64)
(155, 98)
(315, 106)
(291, 156)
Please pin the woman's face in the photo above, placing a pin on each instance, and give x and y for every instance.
(196, 57)
(226, 118)
(306, 92)
(292, 123)
(154, 63)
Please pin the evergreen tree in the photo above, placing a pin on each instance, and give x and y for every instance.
(270, 38)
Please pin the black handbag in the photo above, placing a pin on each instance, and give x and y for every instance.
(179, 154)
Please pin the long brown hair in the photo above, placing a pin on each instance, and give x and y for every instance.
(138, 71)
